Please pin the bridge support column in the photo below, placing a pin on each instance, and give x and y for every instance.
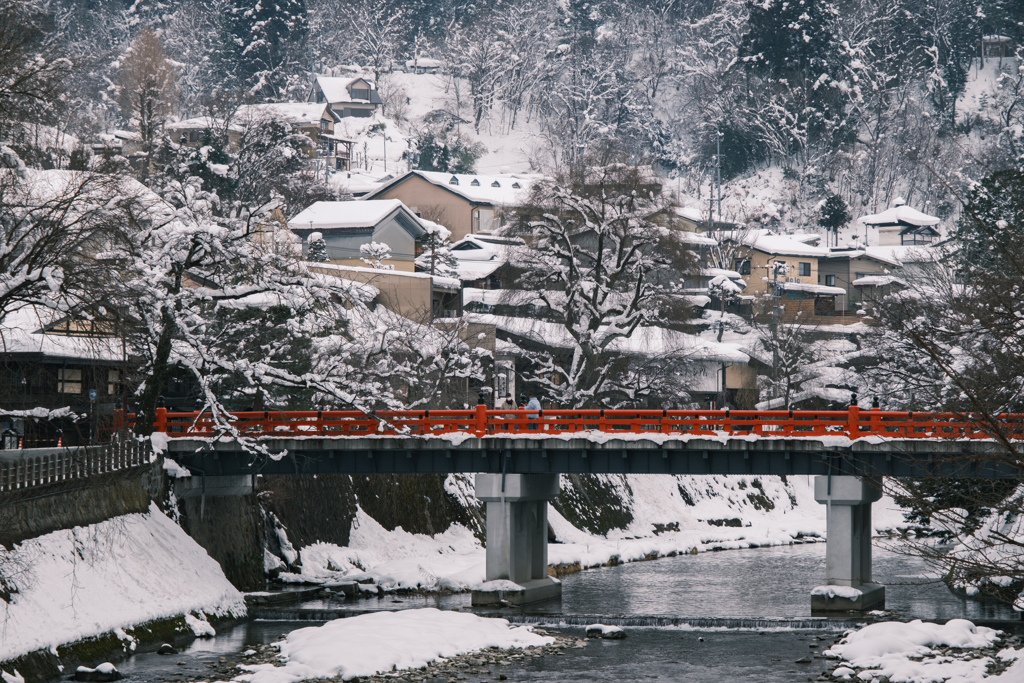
(517, 537)
(848, 552)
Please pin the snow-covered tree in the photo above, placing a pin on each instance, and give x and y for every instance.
(317, 248)
(437, 257)
(601, 269)
(31, 73)
(375, 254)
(268, 42)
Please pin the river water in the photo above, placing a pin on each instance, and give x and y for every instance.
(762, 582)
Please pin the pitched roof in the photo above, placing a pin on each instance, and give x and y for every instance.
(900, 214)
(346, 215)
(782, 245)
(295, 113)
(336, 89)
(507, 189)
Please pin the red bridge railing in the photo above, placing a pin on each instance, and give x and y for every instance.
(853, 423)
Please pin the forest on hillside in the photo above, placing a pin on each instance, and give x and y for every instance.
(864, 99)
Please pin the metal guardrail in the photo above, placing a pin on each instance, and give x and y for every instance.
(25, 468)
(853, 423)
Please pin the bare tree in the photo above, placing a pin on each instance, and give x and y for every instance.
(148, 86)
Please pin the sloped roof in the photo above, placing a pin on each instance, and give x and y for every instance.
(900, 214)
(497, 190)
(873, 254)
(336, 89)
(295, 113)
(781, 245)
(346, 215)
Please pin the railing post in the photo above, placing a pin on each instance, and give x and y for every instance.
(161, 420)
(853, 426)
(481, 419)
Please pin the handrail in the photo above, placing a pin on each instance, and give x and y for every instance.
(853, 423)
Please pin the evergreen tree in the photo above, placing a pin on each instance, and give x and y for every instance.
(317, 249)
(834, 215)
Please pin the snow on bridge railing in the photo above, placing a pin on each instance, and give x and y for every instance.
(852, 423)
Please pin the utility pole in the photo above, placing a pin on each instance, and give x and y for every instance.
(718, 170)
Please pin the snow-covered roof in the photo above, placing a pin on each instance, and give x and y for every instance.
(811, 289)
(202, 123)
(877, 281)
(904, 254)
(336, 89)
(645, 341)
(806, 237)
(780, 245)
(509, 189)
(348, 215)
(696, 238)
(91, 190)
(480, 255)
(689, 213)
(858, 253)
(22, 332)
(476, 270)
(715, 272)
(423, 63)
(295, 113)
(438, 281)
(899, 214)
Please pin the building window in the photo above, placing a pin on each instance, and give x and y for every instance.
(324, 124)
(69, 381)
(113, 379)
(742, 266)
(360, 94)
(830, 280)
(805, 269)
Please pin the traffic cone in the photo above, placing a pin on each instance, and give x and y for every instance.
(60, 442)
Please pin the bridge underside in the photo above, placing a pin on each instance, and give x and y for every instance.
(537, 455)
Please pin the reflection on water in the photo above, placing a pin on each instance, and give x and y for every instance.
(759, 582)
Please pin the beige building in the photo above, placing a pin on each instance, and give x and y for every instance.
(465, 204)
(416, 296)
(852, 269)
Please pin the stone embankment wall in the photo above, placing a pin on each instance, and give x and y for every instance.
(31, 512)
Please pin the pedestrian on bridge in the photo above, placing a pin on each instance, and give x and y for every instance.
(534, 404)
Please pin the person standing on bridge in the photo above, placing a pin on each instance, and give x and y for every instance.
(534, 404)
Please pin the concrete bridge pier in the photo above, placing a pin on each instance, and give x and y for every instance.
(848, 552)
(517, 537)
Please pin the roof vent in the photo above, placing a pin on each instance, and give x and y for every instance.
(475, 183)
(453, 181)
(495, 184)
(516, 186)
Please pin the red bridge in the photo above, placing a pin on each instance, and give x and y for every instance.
(853, 423)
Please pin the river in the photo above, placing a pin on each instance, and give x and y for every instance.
(762, 582)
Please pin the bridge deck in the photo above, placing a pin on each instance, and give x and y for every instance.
(539, 454)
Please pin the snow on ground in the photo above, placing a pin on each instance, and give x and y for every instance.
(771, 513)
(387, 641)
(126, 571)
(906, 652)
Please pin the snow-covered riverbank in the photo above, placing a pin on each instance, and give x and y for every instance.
(670, 516)
(108, 577)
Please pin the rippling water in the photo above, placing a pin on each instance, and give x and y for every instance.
(761, 582)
